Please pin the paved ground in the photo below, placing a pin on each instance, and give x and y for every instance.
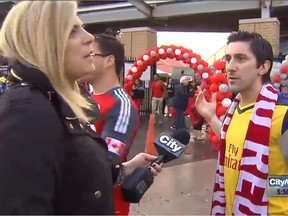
(185, 185)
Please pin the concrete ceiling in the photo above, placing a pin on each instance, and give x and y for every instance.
(204, 16)
(183, 15)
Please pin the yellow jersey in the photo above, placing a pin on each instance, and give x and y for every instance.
(235, 137)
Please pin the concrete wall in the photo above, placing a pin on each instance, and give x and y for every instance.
(137, 40)
(269, 28)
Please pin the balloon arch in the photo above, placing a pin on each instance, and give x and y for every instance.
(211, 82)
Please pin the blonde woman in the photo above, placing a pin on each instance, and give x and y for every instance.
(51, 162)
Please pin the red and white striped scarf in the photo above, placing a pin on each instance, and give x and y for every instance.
(251, 192)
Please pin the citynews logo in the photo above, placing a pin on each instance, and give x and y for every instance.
(170, 143)
(278, 181)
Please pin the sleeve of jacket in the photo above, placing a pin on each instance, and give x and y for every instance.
(29, 137)
(120, 127)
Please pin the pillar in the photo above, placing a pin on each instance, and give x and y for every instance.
(269, 28)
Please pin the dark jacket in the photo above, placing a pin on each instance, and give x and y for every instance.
(180, 98)
(49, 162)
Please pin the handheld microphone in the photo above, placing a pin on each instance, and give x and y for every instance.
(168, 148)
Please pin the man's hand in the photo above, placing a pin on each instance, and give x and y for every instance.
(142, 160)
(206, 109)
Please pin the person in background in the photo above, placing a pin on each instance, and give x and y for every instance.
(169, 96)
(119, 119)
(164, 102)
(158, 88)
(250, 149)
(51, 162)
(138, 93)
(283, 94)
(180, 102)
(284, 87)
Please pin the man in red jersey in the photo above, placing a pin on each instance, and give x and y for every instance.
(119, 120)
(158, 87)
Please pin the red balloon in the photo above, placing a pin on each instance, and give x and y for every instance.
(215, 139)
(157, 56)
(164, 56)
(179, 57)
(214, 87)
(127, 87)
(276, 79)
(219, 78)
(208, 81)
(186, 61)
(190, 53)
(173, 47)
(147, 52)
(141, 68)
(137, 75)
(204, 63)
(216, 145)
(284, 69)
(228, 94)
(206, 69)
(220, 110)
(220, 96)
(219, 65)
(171, 55)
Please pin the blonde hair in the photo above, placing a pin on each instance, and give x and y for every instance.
(36, 34)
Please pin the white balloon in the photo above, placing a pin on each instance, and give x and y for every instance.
(145, 57)
(223, 87)
(283, 76)
(134, 69)
(177, 52)
(153, 53)
(275, 72)
(186, 55)
(218, 71)
(205, 75)
(276, 65)
(161, 51)
(169, 50)
(129, 77)
(193, 60)
(200, 67)
(276, 85)
(285, 62)
(139, 62)
(226, 102)
(286, 57)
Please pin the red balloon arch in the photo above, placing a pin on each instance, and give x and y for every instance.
(212, 82)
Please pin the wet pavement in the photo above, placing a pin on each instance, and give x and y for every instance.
(184, 187)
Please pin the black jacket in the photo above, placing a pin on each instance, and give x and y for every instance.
(180, 98)
(49, 162)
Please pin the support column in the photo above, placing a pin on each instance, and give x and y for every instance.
(269, 28)
(137, 40)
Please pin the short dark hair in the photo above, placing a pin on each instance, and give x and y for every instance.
(110, 45)
(259, 46)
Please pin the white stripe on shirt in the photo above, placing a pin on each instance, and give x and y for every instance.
(124, 113)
